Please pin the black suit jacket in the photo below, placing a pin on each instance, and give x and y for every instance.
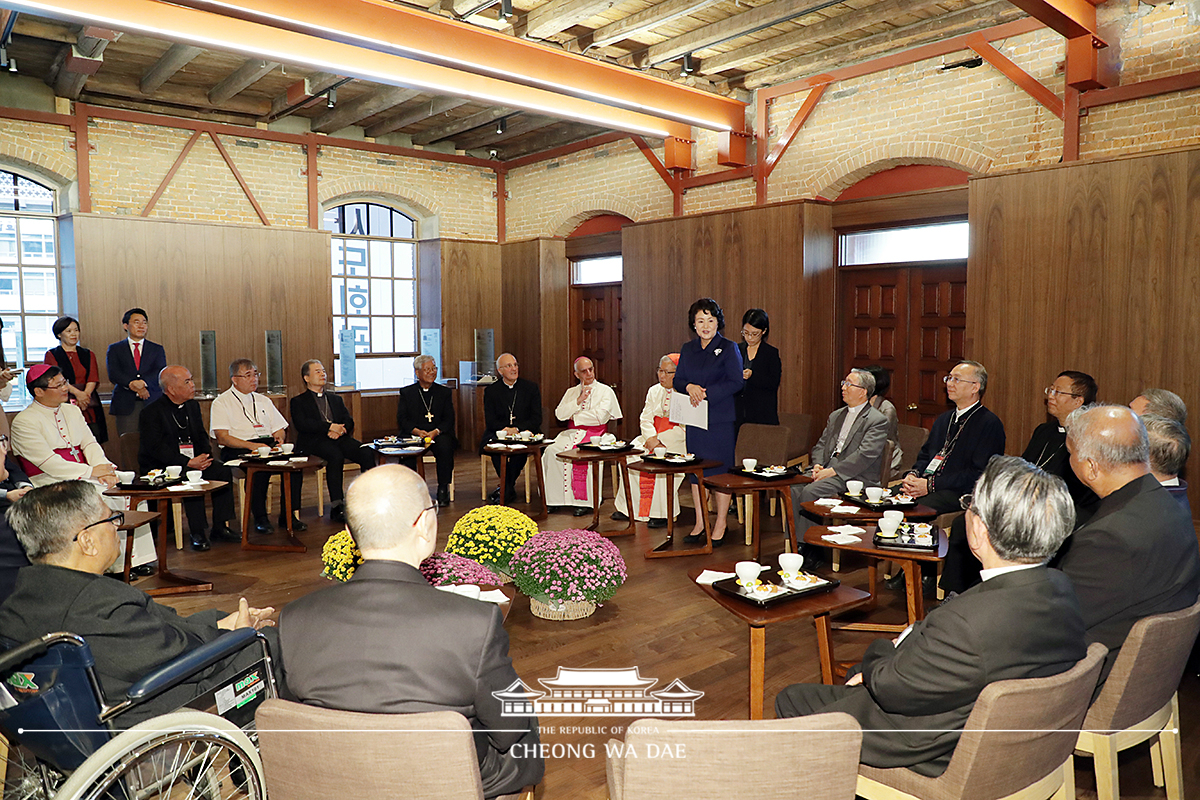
(524, 397)
(410, 411)
(12, 555)
(758, 401)
(919, 693)
(982, 437)
(310, 425)
(387, 642)
(121, 371)
(160, 433)
(1136, 557)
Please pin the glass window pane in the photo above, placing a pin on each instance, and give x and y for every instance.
(10, 290)
(386, 372)
(337, 249)
(381, 260)
(381, 334)
(8, 240)
(606, 269)
(37, 241)
(338, 324)
(331, 220)
(40, 288)
(406, 259)
(38, 338)
(406, 335)
(406, 297)
(356, 257)
(339, 296)
(8, 191)
(402, 226)
(362, 333)
(381, 296)
(356, 296)
(380, 221)
(13, 339)
(354, 219)
(942, 242)
(34, 197)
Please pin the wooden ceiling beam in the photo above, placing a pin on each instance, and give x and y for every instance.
(514, 126)
(77, 62)
(245, 76)
(550, 139)
(45, 29)
(755, 19)
(402, 120)
(361, 107)
(459, 125)
(968, 20)
(642, 21)
(127, 86)
(176, 58)
(832, 28)
(558, 15)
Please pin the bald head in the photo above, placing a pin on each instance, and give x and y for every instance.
(585, 371)
(384, 508)
(1108, 447)
(176, 383)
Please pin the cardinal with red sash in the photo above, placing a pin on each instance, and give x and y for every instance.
(587, 407)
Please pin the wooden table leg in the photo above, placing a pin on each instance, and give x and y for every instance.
(631, 527)
(758, 664)
(824, 648)
(702, 511)
(293, 545)
(597, 471)
(872, 582)
(789, 519)
(541, 482)
(503, 480)
(670, 490)
(916, 603)
(246, 495)
(754, 525)
(175, 584)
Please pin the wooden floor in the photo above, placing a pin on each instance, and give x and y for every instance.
(658, 621)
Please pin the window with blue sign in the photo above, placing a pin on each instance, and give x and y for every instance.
(374, 282)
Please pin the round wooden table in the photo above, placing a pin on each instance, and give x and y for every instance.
(510, 448)
(596, 459)
(286, 471)
(668, 548)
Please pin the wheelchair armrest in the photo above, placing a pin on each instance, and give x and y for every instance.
(188, 664)
(18, 655)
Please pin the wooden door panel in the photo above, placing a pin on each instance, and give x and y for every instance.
(596, 327)
(877, 323)
(937, 328)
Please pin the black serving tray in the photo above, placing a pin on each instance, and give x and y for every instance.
(730, 587)
(904, 542)
(142, 485)
(790, 472)
(595, 448)
(887, 504)
(669, 463)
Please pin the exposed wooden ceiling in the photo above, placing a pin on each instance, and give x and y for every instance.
(732, 46)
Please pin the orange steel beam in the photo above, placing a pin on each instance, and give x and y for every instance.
(1032, 86)
(1071, 18)
(806, 109)
(1137, 91)
(241, 181)
(673, 183)
(564, 150)
(311, 173)
(721, 176)
(166, 181)
(325, 43)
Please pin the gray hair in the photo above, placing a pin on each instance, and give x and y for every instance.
(1170, 444)
(383, 504)
(666, 360)
(304, 368)
(1028, 512)
(1106, 451)
(866, 379)
(421, 361)
(1165, 403)
(502, 355)
(980, 374)
(47, 518)
(238, 364)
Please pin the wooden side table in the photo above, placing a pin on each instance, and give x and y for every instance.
(668, 549)
(734, 483)
(531, 449)
(596, 459)
(286, 471)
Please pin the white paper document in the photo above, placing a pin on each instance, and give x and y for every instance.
(684, 413)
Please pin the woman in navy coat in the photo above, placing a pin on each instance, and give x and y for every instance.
(710, 368)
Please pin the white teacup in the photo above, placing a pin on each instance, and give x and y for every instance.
(875, 493)
(264, 451)
(660, 452)
(894, 514)
(747, 570)
(749, 464)
(887, 526)
(854, 487)
(126, 477)
(195, 476)
(174, 472)
(791, 563)
(288, 447)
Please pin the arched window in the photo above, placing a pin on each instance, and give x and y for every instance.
(29, 272)
(374, 274)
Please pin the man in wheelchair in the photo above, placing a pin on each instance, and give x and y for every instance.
(71, 538)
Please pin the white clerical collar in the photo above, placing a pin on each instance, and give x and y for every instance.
(1171, 481)
(510, 385)
(856, 409)
(958, 412)
(988, 574)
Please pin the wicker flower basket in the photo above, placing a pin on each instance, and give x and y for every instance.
(570, 609)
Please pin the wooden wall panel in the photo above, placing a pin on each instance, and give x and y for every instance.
(554, 276)
(521, 332)
(1088, 266)
(471, 298)
(779, 258)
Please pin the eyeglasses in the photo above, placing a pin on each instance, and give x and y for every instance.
(949, 379)
(662, 371)
(253, 374)
(59, 385)
(965, 501)
(751, 334)
(117, 519)
(1052, 392)
(851, 383)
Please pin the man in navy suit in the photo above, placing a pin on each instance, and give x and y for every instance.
(133, 365)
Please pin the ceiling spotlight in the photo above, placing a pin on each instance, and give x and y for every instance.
(506, 11)
(502, 125)
(331, 98)
(688, 65)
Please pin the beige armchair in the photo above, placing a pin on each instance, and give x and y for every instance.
(814, 758)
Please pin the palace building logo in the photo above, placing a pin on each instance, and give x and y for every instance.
(598, 692)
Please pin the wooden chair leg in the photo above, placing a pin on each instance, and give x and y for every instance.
(528, 495)
(772, 504)
(941, 594)
(751, 501)
(321, 491)
(1171, 755)
(483, 460)
(1105, 760)
(177, 515)
(836, 561)
(452, 487)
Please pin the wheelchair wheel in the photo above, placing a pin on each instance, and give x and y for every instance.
(26, 778)
(185, 755)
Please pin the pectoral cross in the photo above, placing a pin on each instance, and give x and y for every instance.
(511, 418)
(429, 416)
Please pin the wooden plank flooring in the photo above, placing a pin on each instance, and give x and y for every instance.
(658, 622)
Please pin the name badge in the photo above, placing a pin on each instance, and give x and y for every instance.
(935, 464)
(258, 426)
(187, 450)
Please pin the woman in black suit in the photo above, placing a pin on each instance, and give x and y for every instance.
(761, 368)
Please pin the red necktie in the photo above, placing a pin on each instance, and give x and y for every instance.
(137, 355)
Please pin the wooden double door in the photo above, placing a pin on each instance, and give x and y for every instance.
(911, 320)
(596, 326)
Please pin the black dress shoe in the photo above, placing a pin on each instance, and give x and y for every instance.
(143, 570)
(724, 540)
(619, 516)
(657, 522)
(494, 496)
(263, 526)
(580, 511)
(200, 542)
(443, 496)
(896, 582)
(297, 525)
(510, 496)
(694, 538)
(928, 585)
(337, 513)
(221, 533)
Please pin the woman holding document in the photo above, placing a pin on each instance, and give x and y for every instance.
(710, 369)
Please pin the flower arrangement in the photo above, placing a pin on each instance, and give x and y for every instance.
(441, 569)
(557, 567)
(490, 535)
(341, 556)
